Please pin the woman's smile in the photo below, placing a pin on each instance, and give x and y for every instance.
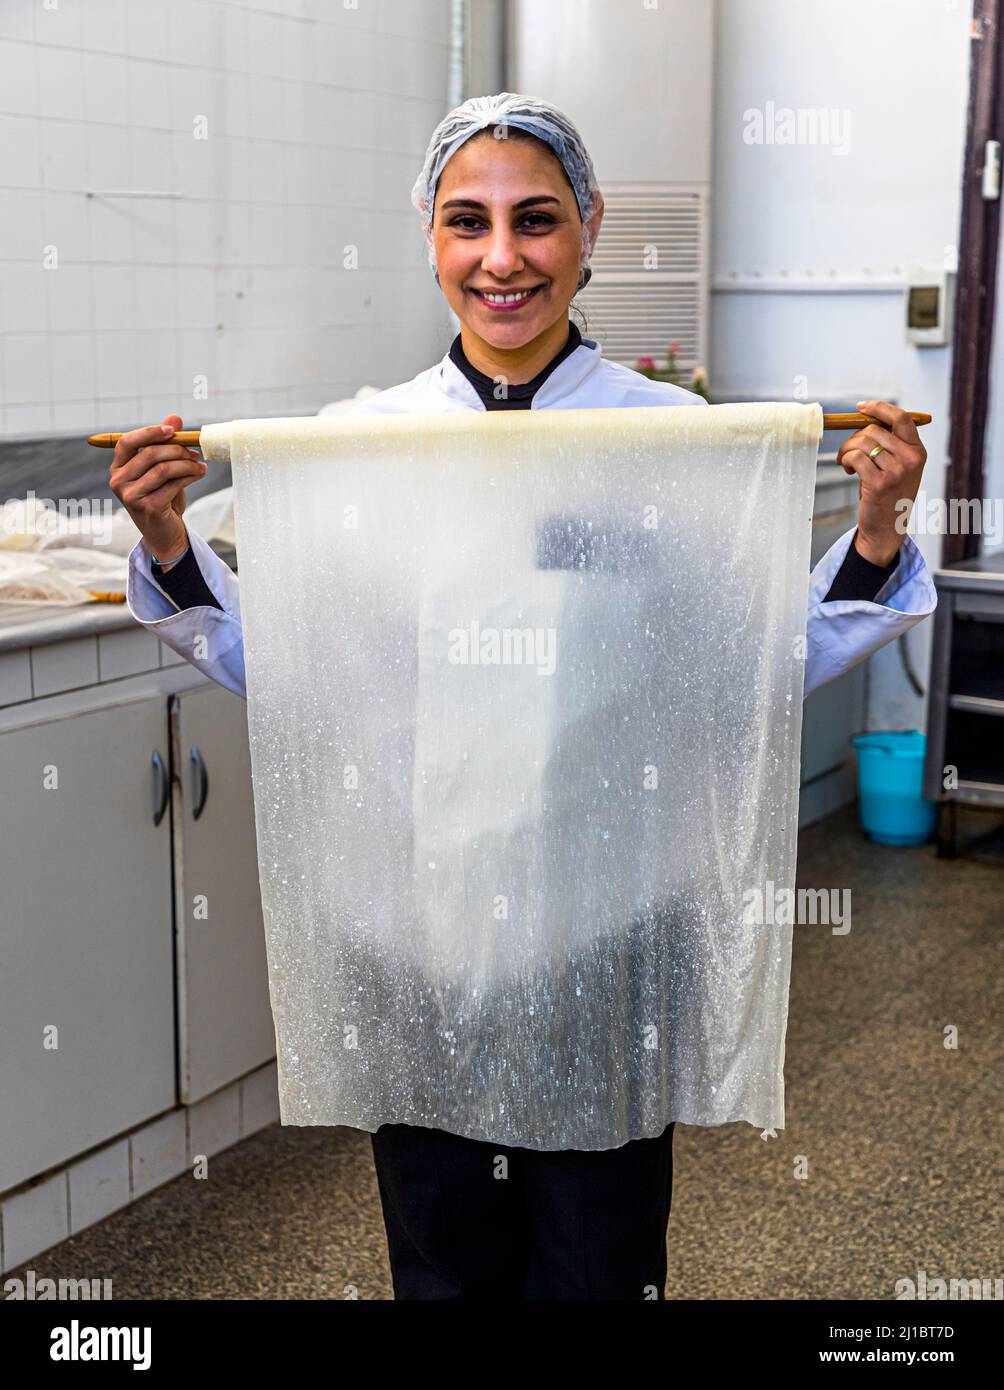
(506, 301)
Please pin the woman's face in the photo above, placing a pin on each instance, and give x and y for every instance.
(506, 220)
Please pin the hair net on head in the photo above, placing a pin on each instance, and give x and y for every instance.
(507, 108)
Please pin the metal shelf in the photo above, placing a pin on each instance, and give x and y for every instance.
(976, 704)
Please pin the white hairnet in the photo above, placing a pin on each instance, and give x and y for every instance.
(540, 118)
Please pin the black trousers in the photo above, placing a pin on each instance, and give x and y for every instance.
(475, 1220)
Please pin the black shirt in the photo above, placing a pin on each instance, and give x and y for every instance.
(184, 583)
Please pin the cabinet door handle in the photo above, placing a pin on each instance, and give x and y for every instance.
(161, 787)
(200, 783)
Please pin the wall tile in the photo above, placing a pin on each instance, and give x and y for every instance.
(17, 19)
(168, 657)
(148, 30)
(264, 44)
(193, 94)
(23, 298)
(21, 225)
(127, 653)
(15, 677)
(157, 361)
(267, 183)
(235, 100)
(18, 78)
(65, 225)
(114, 413)
(234, 51)
(196, 289)
(26, 369)
(155, 405)
(195, 31)
(109, 157)
(259, 1099)
(64, 666)
(264, 116)
(23, 421)
(60, 82)
(78, 417)
(431, 22)
(106, 86)
(62, 26)
(111, 229)
(114, 289)
(196, 168)
(156, 297)
(99, 1185)
(158, 1152)
(213, 1123)
(64, 160)
(71, 366)
(155, 225)
(197, 236)
(297, 40)
(22, 158)
(34, 1220)
(104, 26)
(149, 94)
(68, 296)
(196, 358)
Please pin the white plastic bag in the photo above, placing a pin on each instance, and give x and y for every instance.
(212, 515)
(24, 578)
(49, 556)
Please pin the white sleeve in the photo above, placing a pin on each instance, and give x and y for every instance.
(211, 639)
(842, 633)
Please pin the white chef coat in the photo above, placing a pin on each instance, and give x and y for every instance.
(839, 634)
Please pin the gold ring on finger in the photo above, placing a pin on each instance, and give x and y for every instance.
(877, 450)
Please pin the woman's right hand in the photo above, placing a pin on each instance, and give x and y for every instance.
(149, 475)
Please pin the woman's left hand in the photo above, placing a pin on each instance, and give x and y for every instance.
(888, 483)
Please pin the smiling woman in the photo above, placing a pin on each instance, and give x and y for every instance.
(511, 218)
(511, 212)
(509, 262)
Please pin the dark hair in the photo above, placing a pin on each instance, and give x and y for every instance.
(516, 132)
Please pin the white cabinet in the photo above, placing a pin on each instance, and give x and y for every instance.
(133, 973)
(225, 1024)
(87, 1005)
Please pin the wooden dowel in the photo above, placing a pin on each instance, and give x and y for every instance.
(854, 421)
(108, 441)
(830, 422)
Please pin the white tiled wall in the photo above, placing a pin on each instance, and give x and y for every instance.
(317, 114)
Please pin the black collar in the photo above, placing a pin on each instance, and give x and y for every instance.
(518, 396)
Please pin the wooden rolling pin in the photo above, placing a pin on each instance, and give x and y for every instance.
(830, 422)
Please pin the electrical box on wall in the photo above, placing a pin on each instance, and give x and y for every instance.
(929, 298)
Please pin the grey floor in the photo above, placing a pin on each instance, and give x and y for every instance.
(901, 1139)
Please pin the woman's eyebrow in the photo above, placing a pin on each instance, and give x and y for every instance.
(483, 207)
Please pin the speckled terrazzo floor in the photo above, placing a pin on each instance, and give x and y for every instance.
(902, 1139)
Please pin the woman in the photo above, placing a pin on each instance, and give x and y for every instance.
(511, 212)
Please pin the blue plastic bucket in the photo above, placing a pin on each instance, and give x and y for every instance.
(894, 810)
